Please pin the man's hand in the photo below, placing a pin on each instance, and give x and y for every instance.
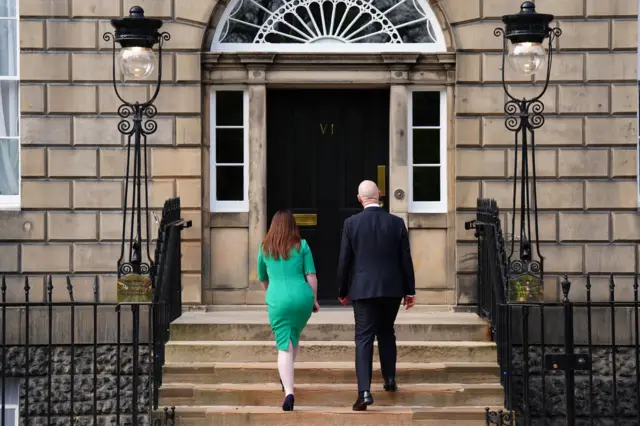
(344, 300)
(409, 301)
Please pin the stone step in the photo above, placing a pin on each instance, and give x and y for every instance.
(330, 324)
(265, 351)
(333, 332)
(328, 416)
(333, 395)
(262, 307)
(328, 372)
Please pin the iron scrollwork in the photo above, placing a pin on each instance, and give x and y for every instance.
(499, 418)
(524, 114)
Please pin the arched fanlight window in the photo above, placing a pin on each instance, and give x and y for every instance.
(330, 25)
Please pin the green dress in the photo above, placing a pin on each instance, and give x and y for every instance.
(289, 297)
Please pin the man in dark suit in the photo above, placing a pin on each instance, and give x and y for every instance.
(375, 273)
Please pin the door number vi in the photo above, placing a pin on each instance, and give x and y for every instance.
(325, 127)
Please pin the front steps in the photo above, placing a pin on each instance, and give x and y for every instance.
(221, 370)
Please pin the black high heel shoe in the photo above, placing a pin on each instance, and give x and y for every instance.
(288, 403)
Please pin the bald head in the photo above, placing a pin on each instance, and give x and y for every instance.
(368, 192)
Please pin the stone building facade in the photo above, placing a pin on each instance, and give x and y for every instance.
(72, 158)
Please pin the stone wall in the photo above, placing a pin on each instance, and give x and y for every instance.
(586, 156)
(73, 158)
(593, 335)
(58, 327)
(547, 405)
(105, 390)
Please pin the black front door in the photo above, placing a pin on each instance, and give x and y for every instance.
(320, 145)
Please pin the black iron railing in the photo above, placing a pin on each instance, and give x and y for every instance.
(67, 357)
(77, 360)
(167, 295)
(491, 284)
(574, 362)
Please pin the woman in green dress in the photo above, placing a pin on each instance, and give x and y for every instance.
(287, 272)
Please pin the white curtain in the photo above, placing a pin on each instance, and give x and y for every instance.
(9, 141)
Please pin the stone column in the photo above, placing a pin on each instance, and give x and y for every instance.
(398, 151)
(257, 172)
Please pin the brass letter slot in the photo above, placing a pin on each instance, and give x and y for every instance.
(306, 219)
(382, 180)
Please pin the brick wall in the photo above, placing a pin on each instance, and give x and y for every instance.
(73, 158)
(586, 157)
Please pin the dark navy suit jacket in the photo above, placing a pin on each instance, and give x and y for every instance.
(375, 257)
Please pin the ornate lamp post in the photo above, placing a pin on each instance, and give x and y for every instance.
(137, 35)
(524, 39)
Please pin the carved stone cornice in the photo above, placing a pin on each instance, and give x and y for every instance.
(211, 61)
(326, 68)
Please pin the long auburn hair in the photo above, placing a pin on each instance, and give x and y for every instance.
(283, 235)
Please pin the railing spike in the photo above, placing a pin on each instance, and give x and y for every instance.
(566, 287)
(50, 289)
(612, 288)
(4, 288)
(612, 283)
(96, 289)
(70, 288)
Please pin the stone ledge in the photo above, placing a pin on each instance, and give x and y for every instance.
(212, 60)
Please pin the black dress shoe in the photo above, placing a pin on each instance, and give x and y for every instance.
(288, 403)
(364, 399)
(390, 385)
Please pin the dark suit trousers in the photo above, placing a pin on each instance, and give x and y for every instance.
(375, 318)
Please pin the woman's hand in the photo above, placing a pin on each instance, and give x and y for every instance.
(316, 306)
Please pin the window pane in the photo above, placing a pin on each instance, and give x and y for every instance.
(10, 417)
(426, 146)
(229, 146)
(229, 108)
(9, 168)
(426, 184)
(8, 108)
(8, 8)
(426, 108)
(230, 183)
(8, 46)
